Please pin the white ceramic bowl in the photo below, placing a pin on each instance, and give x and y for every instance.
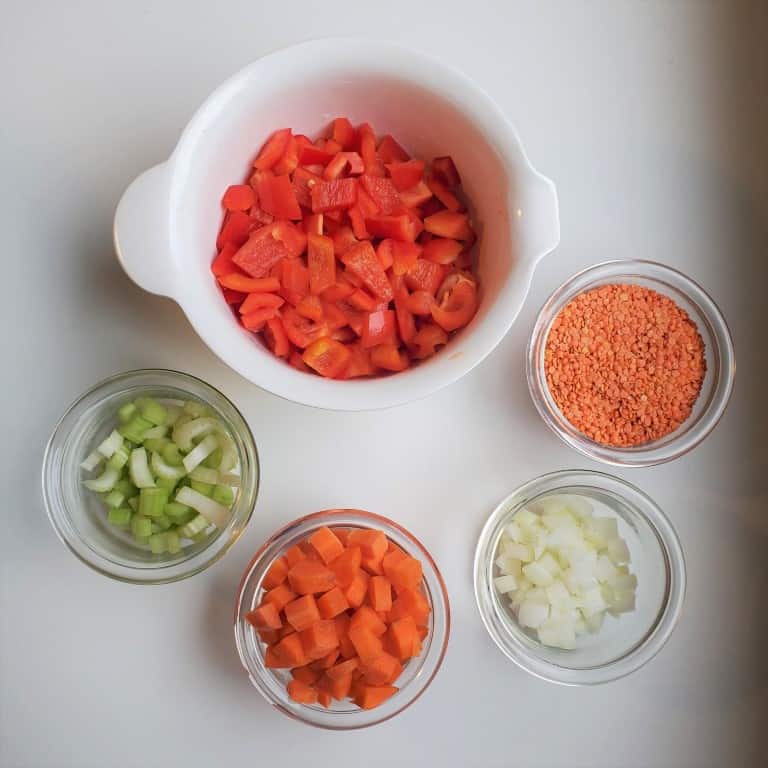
(167, 220)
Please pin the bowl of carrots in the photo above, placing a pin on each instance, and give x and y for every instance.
(342, 619)
(343, 264)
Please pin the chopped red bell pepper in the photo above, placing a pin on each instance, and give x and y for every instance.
(389, 357)
(276, 337)
(311, 308)
(289, 159)
(404, 256)
(294, 280)
(312, 155)
(260, 253)
(385, 253)
(238, 197)
(361, 260)
(328, 357)
(406, 175)
(333, 195)
(373, 165)
(295, 361)
(443, 194)
(357, 220)
(256, 301)
(303, 181)
(359, 299)
(233, 297)
(301, 332)
(239, 282)
(341, 162)
(335, 317)
(390, 151)
(235, 230)
(427, 339)
(322, 263)
(444, 169)
(405, 321)
(338, 292)
(396, 227)
(293, 238)
(379, 328)
(343, 239)
(344, 133)
(420, 303)
(382, 191)
(365, 203)
(254, 321)
(273, 149)
(449, 224)
(359, 363)
(442, 250)
(425, 276)
(313, 225)
(458, 303)
(416, 196)
(277, 196)
(223, 264)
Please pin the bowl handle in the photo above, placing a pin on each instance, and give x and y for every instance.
(142, 233)
(544, 211)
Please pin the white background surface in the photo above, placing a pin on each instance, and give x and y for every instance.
(651, 117)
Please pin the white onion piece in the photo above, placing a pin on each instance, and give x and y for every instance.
(562, 569)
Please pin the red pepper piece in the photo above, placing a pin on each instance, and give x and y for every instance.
(328, 357)
(379, 328)
(385, 253)
(359, 299)
(359, 363)
(341, 162)
(405, 322)
(235, 229)
(449, 224)
(396, 227)
(343, 239)
(425, 276)
(383, 193)
(276, 196)
(303, 181)
(223, 264)
(404, 256)
(273, 149)
(294, 279)
(276, 337)
(361, 260)
(294, 360)
(373, 165)
(290, 158)
(443, 194)
(312, 155)
(293, 238)
(357, 220)
(416, 196)
(427, 339)
(314, 224)
(344, 133)
(338, 292)
(254, 321)
(444, 169)
(310, 307)
(365, 203)
(458, 303)
(335, 317)
(260, 253)
(239, 282)
(301, 332)
(442, 250)
(233, 297)
(420, 303)
(406, 175)
(238, 197)
(389, 357)
(390, 151)
(256, 301)
(333, 195)
(322, 263)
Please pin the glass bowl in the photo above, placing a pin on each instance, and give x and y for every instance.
(716, 387)
(417, 674)
(78, 515)
(623, 644)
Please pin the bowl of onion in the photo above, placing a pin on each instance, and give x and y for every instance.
(579, 577)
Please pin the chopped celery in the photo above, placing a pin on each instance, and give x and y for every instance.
(133, 503)
(139, 470)
(161, 469)
(216, 513)
(229, 453)
(120, 517)
(168, 483)
(183, 434)
(197, 525)
(195, 409)
(126, 412)
(172, 413)
(157, 543)
(119, 458)
(141, 526)
(156, 432)
(135, 429)
(172, 455)
(104, 482)
(152, 501)
(204, 475)
(213, 459)
(224, 495)
(161, 523)
(91, 461)
(172, 542)
(156, 444)
(114, 499)
(230, 479)
(152, 411)
(205, 488)
(127, 488)
(202, 536)
(176, 510)
(113, 443)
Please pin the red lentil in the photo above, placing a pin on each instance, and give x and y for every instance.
(624, 364)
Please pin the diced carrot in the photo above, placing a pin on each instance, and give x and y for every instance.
(367, 645)
(372, 543)
(402, 570)
(357, 589)
(372, 565)
(320, 638)
(339, 687)
(269, 636)
(383, 670)
(401, 637)
(366, 617)
(332, 603)
(294, 554)
(310, 577)
(371, 696)
(301, 692)
(346, 565)
(291, 650)
(276, 574)
(342, 668)
(410, 602)
(380, 593)
(286, 630)
(342, 534)
(422, 632)
(327, 661)
(264, 617)
(279, 596)
(324, 698)
(305, 674)
(302, 612)
(273, 660)
(342, 632)
(326, 544)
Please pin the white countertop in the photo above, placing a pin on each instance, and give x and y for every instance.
(651, 117)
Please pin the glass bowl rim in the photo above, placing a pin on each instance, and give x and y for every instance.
(661, 630)
(716, 327)
(56, 507)
(322, 518)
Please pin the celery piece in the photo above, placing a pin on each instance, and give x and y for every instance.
(213, 459)
(133, 503)
(126, 412)
(157, 543)
(91, 461)
(197, 525)
(156, 444)
(120, 517)
(141, 477)
(204, 475)
(195, 409)
(111, 444)
(202, 536)
(169, 483)
(141, 539)
(161, 469)
(155, 433)
(152, 501)
(171, 455)
(172, 542)
(152, 411)
(184, 434)
(214, 512)
(205, 488)
(127, 488)
(135, 429)
(229, 456)
(119, 458)
(161, 523)
(104, 482)
(172, 413)
(114, 499)
(224, 495)
(176, 510)
(141, 526)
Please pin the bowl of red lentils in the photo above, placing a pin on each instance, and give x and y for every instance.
(631, 363)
